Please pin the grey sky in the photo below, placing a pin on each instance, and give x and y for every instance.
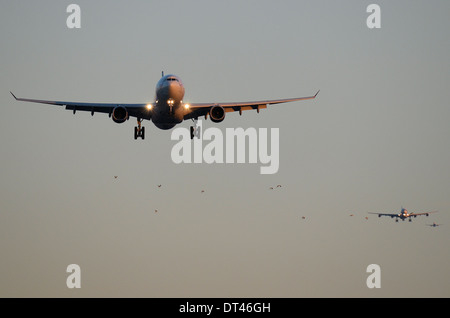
(375, 139)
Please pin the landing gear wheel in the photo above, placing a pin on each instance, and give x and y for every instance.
(139, 131)
(195, 130)
(198, 131)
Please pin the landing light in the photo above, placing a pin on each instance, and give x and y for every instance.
(187, 106)
(149, 106)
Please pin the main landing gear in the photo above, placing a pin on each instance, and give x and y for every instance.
(139, 131)
(195, 130)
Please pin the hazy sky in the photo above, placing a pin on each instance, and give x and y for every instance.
(375, 139)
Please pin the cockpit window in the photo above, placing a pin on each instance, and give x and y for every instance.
(172, 79)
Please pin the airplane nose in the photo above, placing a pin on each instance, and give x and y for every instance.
(176, 90)
(173, 88)
(168, 89)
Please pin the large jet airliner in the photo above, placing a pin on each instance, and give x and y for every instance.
(404, 214)
(167, 110)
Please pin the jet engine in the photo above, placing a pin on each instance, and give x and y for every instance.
(217, 113)
(119, 114)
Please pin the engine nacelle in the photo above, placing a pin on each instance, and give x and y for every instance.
(119, 114)
(217, 113)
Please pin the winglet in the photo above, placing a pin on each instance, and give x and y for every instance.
(13, 95)
(317, 93)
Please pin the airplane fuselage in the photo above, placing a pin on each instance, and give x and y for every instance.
(168, 109)
(404, 214)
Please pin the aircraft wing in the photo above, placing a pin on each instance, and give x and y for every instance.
(134, 110)
(423, 213)
(385, 214)
(202, 109)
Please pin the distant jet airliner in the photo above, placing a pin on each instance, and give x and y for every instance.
(168, 109)
(404, 214)
(434, 224)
